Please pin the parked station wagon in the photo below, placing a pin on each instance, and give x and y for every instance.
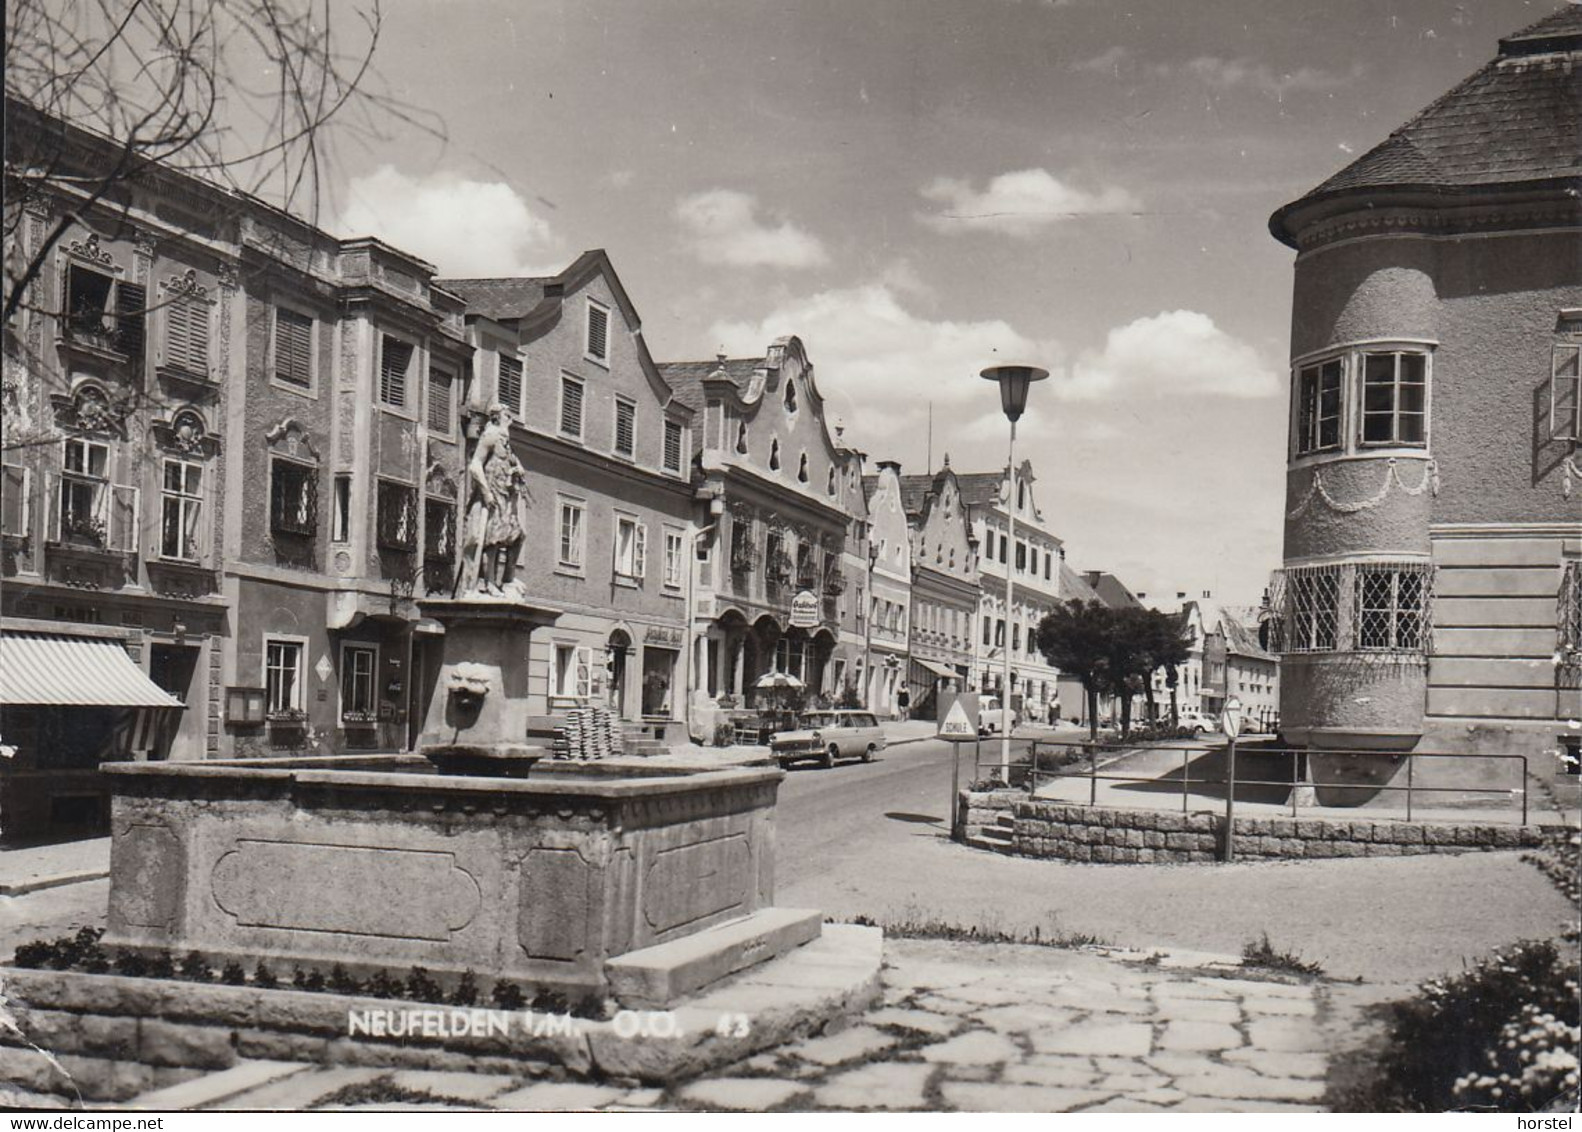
(830, 735)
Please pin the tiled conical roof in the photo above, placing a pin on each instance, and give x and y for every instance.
(1517, 121)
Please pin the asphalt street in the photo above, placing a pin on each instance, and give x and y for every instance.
(872, 839)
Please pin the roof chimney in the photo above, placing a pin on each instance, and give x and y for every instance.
(893, 465)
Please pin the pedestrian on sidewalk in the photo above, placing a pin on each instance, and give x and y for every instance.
(903, 701)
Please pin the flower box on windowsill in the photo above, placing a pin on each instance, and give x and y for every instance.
(290, 718)
(359, 718)
(183, 375)
(98, 345)
(179, 577)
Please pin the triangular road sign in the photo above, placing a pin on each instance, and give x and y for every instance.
(956, 725)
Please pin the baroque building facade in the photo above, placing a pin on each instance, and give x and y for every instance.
(773, 582)
(220, 424)
(945, 588)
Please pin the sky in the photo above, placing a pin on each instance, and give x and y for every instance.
(921, 188)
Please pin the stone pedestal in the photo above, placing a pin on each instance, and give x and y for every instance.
(478, 712)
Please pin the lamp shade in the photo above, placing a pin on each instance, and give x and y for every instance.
(1014, 382)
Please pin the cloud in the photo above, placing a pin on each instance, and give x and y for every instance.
(878, 363)
(1019, 204)
(1173, 352)
(465, 228)
(1228, 74)
(1106, 62)
(722, 226)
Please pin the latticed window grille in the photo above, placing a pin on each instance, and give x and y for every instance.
(397, 514)
(1569, 619)
(1312, 608)
(1392, 606)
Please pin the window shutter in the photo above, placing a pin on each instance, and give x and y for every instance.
(1565, 394)
(584, 672)
(672, 446)
(122, 525)
(598, 332)
(439, 401)
(14, 501)
(187, 334)
(625, 424)
(293, 347)
(640, 551)
(509, 391)
(571, 407)
(131, 300)
(394, 361)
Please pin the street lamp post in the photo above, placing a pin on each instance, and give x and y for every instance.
(1013, 381)
(867, 638)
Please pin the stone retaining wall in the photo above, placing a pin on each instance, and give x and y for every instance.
(112, 1037)
(1063, 831)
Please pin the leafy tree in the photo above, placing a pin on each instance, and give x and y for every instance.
(1075, 637)
(1168, 648)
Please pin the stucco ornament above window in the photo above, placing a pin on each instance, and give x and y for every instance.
(1392, 474)
(1570, 471)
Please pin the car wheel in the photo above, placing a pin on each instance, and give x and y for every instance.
(831, 753)
(867, 755)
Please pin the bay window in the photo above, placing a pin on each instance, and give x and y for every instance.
(1394, 398)
(1391, 600)
(1318, 408)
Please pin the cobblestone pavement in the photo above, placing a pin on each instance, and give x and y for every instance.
(968, 1027)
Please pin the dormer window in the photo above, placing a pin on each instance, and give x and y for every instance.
(598, 339)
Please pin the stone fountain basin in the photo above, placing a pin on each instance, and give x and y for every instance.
(378, 862)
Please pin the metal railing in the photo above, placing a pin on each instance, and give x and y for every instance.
(1092, 753)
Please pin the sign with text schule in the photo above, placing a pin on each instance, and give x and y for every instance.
(960, 721)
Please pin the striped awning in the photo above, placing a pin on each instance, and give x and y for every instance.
(936, 668)
(56, 670)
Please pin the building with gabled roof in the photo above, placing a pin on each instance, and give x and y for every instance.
(774, 589)
(1034, 564)
(604, 443)
(945, 591)
(1433, 526)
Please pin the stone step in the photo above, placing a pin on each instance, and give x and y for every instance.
(993, 845)
(658, 976)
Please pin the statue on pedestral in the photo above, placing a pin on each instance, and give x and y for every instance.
(493, 530)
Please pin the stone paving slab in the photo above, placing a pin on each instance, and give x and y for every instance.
(968, 1027)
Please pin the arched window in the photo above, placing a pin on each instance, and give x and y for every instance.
(801, 470)
(741, 437)
(790, 396)
(774, 455)
(1021, 495)
(831, 487)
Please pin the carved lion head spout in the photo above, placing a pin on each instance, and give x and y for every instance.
(469, 682)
